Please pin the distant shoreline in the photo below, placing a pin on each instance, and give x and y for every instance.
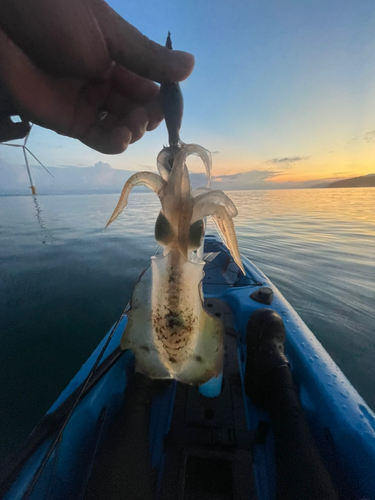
(363, 181)
(142, 190)
(103, 179)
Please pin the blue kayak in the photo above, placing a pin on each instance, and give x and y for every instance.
(168, 440)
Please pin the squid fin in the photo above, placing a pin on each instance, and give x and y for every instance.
(138, 331)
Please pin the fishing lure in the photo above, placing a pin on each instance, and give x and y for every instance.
(169, 331)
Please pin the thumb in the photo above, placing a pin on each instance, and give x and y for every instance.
(130, 48)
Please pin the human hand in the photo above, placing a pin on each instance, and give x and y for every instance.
(78, 68)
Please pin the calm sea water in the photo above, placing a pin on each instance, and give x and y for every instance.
(64, 280)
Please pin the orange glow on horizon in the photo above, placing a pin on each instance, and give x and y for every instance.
(335, 165)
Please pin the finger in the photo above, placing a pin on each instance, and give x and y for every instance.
(42, 99)
(155, 114)
(120, 106)
(113, 135)
(84, 37)
(63, 106)
(120, 85)
(138, 119)
(10, 131)
(61, 37)
(111, 140)
(7, 107)
(133, 86)
(137, 122)
(137, 53)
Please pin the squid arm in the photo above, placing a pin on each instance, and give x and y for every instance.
(166, 157)
(224, 221)
(148, 179)
(220, 198)
(200, 190)
(164, 162)
(216, 196)
(204, 155)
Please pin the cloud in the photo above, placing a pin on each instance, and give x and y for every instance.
(251, 176)
(68, 179)
(254, 179)
(288, 161)
(369, 136)
(60, 165)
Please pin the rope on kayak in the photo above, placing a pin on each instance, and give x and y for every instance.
(54, 443)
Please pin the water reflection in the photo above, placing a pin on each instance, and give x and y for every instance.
(337, 206)
(58, 299)
(48, 237)
(318, 247)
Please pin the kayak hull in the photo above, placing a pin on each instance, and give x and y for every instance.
(341, 422)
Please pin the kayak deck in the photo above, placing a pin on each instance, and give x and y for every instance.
(186, 430)
(206, 453)
(209, 446)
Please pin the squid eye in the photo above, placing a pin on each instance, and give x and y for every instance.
(163, 230)
(196, 234)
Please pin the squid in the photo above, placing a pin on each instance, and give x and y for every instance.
(168, 329)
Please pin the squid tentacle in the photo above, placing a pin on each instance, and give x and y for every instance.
(168, 156)
(180, 158)
(219, 197)
(204, 155)
(164, 162)
(203, 209)
(168, 329)
(148, 179)
(197, 191)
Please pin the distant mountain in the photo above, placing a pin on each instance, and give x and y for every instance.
(321, 185)
(363, 181)
(256, 180)
(262, 179)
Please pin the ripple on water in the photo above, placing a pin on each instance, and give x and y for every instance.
(64, 280)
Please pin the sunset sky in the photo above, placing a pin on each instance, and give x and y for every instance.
(286, 87)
